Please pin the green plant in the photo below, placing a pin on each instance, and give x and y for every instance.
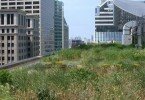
(45, 94)
(5, 77)
(5, 93)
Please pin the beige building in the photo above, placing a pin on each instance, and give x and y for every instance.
(45, 10)
(15, 37)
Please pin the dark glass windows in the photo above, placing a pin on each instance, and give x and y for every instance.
(2, 19)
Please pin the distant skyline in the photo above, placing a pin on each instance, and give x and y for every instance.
(80, 16)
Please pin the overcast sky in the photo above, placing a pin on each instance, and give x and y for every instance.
(80, 16)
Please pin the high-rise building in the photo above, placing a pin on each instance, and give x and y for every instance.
(111, 16)
(61, 30)
(45, 10)
(65, 36)
(32, 32)
(19, 36)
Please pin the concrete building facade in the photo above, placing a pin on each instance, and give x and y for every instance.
(51, 17)
(42, 8)
(14, 38)
(32, 32)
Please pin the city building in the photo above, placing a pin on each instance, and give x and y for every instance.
(32, 32)
(75, 42)
(112, 15)
(45, 10)
(15, 30)
(61, 30)
(65, 38)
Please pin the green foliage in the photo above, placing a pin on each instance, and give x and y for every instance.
(85, 47)
(69, 54)
(5, 77)
(100, 72)
(45, 94)
(60, 79)
(83, 75)
(5, 93)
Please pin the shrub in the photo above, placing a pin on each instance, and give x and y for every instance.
(85, 47)
(5, 93)
(45, 94)
(83, 75)
(25, 95)
(5, 77)
(70, 54)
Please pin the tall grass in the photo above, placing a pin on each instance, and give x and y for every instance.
(104, 72)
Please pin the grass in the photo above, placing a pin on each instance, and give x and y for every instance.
(88, 72)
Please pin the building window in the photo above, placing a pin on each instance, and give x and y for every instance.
(3, 7)
(12, 58)
(12, 3)
(8, 18)
(12, 18)
(9, 52)
(28, 3)
(2, 37)
(3, 45)
(35, 7)
(2, 19)
(4, 4)
(19, 3)
(28, 22)
(29, 32)
(12, 51)
(35, 2)
(12, 44)
(9, 59)
(19, 17)
(20, 7)
(3, 58)
(12, 37)
(36, 11)
(11, 7)
(28, 7)
(3, 30)
(13, 30)
(8, 30)
(9, 45)
(3, 51)
(8, 37)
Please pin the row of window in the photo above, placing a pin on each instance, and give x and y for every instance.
(23, 57)
(8, 51)
(35, 38)
(34, 44)
(28, 11)
(8, 44)
(9, 17)
(8, 38)
(19, 3)
(2, 64)
(9, 58)
(20, 44)
(7, 30)
(108, 36)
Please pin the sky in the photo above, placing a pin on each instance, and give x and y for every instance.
(80, 16)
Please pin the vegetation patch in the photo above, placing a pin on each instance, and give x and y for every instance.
(88, 72)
